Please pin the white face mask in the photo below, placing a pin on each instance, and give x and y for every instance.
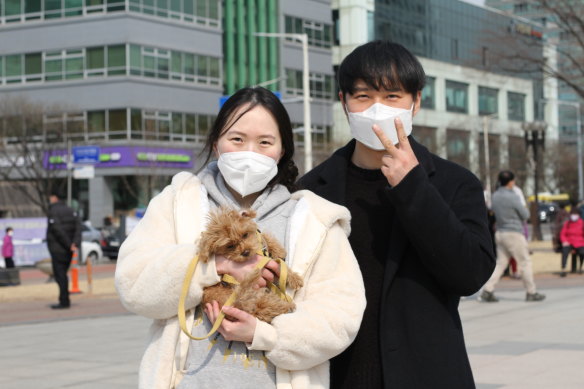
(574, 218)
(361, 124)
(247, 172)
(10, 233)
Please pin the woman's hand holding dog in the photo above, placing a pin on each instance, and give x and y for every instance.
(239, 270)
(237, 325)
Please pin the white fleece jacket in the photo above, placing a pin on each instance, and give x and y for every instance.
(152, 264)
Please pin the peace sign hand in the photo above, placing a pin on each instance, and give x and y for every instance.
(400, 159)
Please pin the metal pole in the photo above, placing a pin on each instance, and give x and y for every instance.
(69, 168)
(303, 38)
(487, 159)
(306, 95)
(579, 145)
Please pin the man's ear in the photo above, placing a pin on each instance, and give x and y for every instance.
(417, 103)
(343, 104)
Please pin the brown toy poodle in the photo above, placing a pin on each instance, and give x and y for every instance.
(234, 235)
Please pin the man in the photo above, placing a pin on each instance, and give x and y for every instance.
(510, 238)
(419, 230)
(63, 238)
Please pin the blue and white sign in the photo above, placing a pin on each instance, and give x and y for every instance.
(85, 154)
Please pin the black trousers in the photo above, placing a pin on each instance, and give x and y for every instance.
(8, 262)
(61, 263)
(566, 250)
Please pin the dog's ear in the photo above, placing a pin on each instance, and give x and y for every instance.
(250, 213)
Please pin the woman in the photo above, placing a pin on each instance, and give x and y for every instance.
(572, 238)
(252, 138)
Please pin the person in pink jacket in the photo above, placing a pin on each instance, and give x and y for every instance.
(8, 248)
(572, 238)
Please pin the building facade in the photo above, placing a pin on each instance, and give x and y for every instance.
(143, 80)
(464, 98)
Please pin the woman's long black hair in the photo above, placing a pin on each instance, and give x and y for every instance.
(251, 98)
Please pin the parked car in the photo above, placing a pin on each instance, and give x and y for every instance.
(90, 250)
(110, 242)
(90, 233)
(547, 212)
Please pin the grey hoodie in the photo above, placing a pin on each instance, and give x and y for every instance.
(509, 212)
(216, 363)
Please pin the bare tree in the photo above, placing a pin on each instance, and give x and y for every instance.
(561, 161)
(526, 50)
(26, 147)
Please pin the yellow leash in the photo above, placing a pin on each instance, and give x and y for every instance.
(280, 289)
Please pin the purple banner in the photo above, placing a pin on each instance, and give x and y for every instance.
(129, 156)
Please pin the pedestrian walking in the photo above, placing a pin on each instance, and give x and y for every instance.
(419, 230)
(8, 248)
(63, 238)
(510, 238)
(572, 238)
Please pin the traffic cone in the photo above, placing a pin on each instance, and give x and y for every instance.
(74, 274)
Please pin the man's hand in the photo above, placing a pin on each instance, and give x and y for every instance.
(400, 159)
(239, 270)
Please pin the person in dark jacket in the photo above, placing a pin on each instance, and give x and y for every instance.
(419, 230)
(63, 238)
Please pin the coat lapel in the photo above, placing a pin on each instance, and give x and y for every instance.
(334, 175)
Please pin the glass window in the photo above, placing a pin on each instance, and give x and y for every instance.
(12, 7)
(190, 125)
(33, 66)
(52, 9)
(73, 7)
(95, 58)
(487, 101)
(96, 121)
(204, 124)
(117, 123)
(188, 7)
(115, 5)
(189, 66)
(136, 123)
(74, 67)
(177, 120)
(162, 67)
(457, 146)
(214, 67)
(213, 10)
(162, 6)
(53, 69)
(201, 8)
(32, 6)
(116, 59)
(14, 65)
(456, 97)
(429, 94)
(135, 60)
(202, 66)
(516, 106)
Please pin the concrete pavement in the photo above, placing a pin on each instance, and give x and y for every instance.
(97, 344)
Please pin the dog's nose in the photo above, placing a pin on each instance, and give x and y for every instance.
(245, 253)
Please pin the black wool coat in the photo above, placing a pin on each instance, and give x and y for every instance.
(440, 249)
(63, 229)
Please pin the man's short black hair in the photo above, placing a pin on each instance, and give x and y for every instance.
(381, 64)
(505, 177)
(58, 193)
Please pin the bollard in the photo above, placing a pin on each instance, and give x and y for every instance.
(89, 270)
(74, 274)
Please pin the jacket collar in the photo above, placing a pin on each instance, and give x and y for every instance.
(334, 173)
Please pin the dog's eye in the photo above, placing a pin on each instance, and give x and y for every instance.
(231, 246)
(245, 235)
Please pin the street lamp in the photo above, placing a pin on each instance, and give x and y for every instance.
(487, 158)
(303, 38)
(535, 137)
